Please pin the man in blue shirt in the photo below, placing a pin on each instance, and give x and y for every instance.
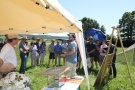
(58, 51)
(71, 55)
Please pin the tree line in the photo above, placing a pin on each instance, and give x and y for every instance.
(126, 25)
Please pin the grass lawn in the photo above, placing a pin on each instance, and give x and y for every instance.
(121, 82)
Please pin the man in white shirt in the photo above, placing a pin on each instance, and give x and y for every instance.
(8, 61)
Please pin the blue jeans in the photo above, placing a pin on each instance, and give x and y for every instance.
(23, 62)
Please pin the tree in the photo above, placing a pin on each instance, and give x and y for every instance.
(33, 37)
(108, 37)
(88, 23)
(102, 28)
(127, 25)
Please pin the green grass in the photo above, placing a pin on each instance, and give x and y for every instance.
(122, 82)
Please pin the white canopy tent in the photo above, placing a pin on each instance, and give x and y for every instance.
(40, 16)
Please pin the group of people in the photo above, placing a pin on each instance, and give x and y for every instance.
(68, 51)
(97, 52)
(8, 63)
(37, 51)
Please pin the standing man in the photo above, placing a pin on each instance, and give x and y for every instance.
(71, 55)
(58, 51)
(38, 50)
(8, 61)
(52, 52)
(64, 49)
(90, 48)
(23, 54)
(112, 47)
(97, 53)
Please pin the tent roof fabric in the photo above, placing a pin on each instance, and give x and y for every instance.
(30, 16)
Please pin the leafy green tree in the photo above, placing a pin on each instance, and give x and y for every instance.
(113, 38)
(88, 23)
(127, 25)
(102, 28)
(33, 37)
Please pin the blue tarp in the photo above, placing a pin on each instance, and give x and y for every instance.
(97, 34)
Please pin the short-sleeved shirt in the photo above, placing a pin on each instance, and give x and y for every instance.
(72, 58)
(111, 51)
(42, 49)
(90, 47)
(58, 48)
(8, 55)
(101, 50)
(38, 47)
(64, 47)
(22, 45)
(34, 49)
(51, 47)
(97, 53)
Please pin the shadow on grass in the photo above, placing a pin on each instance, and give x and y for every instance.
(80, 71)
(104, 83)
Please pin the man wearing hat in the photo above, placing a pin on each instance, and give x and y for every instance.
(71, 55)
(8, 61)
(52, 52)
(113, 49)
(90, 48)
(23, 54)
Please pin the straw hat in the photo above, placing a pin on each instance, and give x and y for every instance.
(52, 40)
(12, 36)
(37, 38)
(43, 40)
(24, 37)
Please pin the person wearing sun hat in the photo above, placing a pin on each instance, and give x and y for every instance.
(51, 52)
(113, 66)
(23, 54)
(42, 52)
(8, 60)
(38, 50)
(97, 53)
(8, 63)
(90, 48)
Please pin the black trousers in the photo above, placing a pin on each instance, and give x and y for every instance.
(114, 68)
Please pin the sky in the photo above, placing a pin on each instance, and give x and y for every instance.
(105, 12)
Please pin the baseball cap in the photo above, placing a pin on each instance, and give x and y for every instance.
(73, 35)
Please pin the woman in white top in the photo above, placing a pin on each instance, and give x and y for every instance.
(103, 50)
(33, 50)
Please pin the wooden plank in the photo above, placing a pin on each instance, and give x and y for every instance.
(103, 68)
